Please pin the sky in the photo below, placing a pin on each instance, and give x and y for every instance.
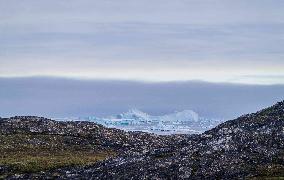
(220, 58)
(60, 97)
(144, 40)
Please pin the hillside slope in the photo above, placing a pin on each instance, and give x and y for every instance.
(30, 144)
(250, 146)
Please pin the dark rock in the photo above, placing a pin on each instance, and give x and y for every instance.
(249, 146)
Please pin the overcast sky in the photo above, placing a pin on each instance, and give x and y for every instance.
(53, 97)
(144, 40)
(103, 57)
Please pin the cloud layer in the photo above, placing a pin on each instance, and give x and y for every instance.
(160, 40)
(55, 97)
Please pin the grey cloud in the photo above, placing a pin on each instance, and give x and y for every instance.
(55, 97)
(165, 11)
(145, 42)
(114, 34)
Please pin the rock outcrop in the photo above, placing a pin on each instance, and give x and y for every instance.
(251, 146)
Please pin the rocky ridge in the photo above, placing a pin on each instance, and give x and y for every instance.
(251, 146)
(96, 134)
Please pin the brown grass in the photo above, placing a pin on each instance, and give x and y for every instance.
(22, 155)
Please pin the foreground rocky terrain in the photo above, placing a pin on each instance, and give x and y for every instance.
(251, 146)
(30, 144)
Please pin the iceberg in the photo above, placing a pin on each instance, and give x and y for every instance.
(183, 122)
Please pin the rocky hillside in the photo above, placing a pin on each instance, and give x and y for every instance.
(251, 146)
(93, 133)
(30, 144)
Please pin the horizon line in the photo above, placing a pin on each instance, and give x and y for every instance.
(144, 81)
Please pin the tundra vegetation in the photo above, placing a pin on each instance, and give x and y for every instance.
(251, 146)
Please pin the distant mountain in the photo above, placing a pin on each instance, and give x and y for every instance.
(184, 122)
(249, 147)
